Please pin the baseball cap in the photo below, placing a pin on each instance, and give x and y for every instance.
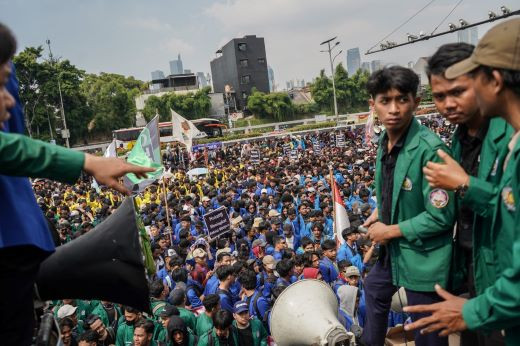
(66, 310)
(257, 221)
(259, 242)
(498, 48)
(352, 270)
(263, 191)
(240, 307)
(199, 253)
(273, 213)
(205, 199)
(269, 262)
(169, 310)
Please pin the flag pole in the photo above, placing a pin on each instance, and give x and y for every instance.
(167, 210)
(333, 190)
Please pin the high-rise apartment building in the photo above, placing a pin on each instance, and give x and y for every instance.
(176, 66)
(353, 61)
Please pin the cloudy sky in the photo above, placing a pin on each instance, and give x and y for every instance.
(135, 37)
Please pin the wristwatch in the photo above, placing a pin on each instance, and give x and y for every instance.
(461, 190)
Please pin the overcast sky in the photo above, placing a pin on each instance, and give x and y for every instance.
(135, 37)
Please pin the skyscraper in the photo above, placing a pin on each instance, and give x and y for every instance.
(353, 61)
(156, 75)
(176, 66)
(376, 65)
(468, 36)
(365, 66)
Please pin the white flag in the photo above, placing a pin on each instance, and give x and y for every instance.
(184, 131)
(109, 152)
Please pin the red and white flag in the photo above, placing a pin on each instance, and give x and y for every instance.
(341, 220)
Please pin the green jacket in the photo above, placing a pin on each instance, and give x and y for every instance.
(498, 307)
(188, 317)
(483, 188)
(22, 156)
(125, 334)
(257, 329)
(101, 312)
(156, 307)
(421, 257)
(204, 323)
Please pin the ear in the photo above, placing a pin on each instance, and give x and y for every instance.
(497, 82)
(371, 102)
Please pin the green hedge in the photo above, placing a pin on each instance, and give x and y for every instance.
(313, 126)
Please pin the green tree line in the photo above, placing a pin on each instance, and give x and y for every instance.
(190, 105)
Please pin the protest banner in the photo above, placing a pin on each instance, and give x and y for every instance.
(217, 222)
(255, 156)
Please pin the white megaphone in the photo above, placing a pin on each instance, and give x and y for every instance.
(306, 313)
(399, 300)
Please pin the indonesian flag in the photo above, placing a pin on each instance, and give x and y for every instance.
(341, 220)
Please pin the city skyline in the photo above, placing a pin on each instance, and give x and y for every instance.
(133, 37)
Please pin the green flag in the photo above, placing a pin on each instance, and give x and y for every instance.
(147, 153)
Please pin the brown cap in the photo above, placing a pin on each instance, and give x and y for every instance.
(499, 48)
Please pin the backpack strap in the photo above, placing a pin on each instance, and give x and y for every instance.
(158, 307)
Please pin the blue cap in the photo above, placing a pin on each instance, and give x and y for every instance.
(240, 307)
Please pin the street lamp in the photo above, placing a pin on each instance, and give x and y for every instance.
(65, 132)
(329, 50)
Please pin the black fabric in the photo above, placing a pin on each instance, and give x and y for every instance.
(471, 146)
(388, 162)
(245, 336)
(18, 269)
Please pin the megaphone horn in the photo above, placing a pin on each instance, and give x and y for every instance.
(291, 324)
(106, 263)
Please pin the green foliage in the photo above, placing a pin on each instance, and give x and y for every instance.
(313, 126)
(426, 94)
(351, 91)
(277, 105)
(94, 105)
(306, 109)
(190, 105)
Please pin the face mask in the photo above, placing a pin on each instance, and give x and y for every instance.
(108, 306)
(129, 323)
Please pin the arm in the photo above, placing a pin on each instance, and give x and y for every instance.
(480, 196)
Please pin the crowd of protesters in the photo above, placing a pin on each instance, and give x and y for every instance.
(220, 291)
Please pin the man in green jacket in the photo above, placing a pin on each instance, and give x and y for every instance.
(476, 146)
(125, 329)
(211, 304)
(495, 66)
(247, 330)
(412, 222)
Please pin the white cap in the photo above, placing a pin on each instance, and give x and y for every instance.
(66, 310)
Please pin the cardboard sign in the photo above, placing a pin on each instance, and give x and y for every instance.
(293, 154)
(340, 140)
(316, 147)
(217, 222)
(286, 148)
(255, 156)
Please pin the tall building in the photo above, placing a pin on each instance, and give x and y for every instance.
(241, 64)
(270, 76)
(203, 81)
(156, 75)
(375, 65)
(420, 69)
(176, 66)
(353, 61)
(365, 66)
(468, 36)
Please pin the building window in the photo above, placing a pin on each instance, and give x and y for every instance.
(242, 47)
(245, 79)
(244, 95)
(261, 61)
(244, 63)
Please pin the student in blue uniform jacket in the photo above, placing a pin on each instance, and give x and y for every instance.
(328, 267)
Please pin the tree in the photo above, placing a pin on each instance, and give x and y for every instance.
(351, 91)
(190, 105)
(277, 106)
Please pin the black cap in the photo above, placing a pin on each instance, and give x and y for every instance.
(169, 310)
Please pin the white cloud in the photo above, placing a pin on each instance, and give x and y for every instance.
(149, 24)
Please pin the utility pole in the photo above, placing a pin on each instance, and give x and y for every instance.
(329, 50)
(64, 132)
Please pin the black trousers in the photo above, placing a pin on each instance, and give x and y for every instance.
(18, 269)
(379, 290)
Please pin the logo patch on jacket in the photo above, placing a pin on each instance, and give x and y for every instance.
(439, 198)
(407, 184)
(508, 198)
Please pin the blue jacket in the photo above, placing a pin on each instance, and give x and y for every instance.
(260, 308)
(192, 294)
(21, 220)
(345, 253)
(226, 300)
(328, 270)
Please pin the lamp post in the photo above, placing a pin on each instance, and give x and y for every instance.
(65, 132)
(329, 50)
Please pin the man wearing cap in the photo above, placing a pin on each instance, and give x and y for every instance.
(69, 311)
(495, 66)
(348, 250)
(266, 278)
(205, 207)
(247, 330)
(164, 317)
